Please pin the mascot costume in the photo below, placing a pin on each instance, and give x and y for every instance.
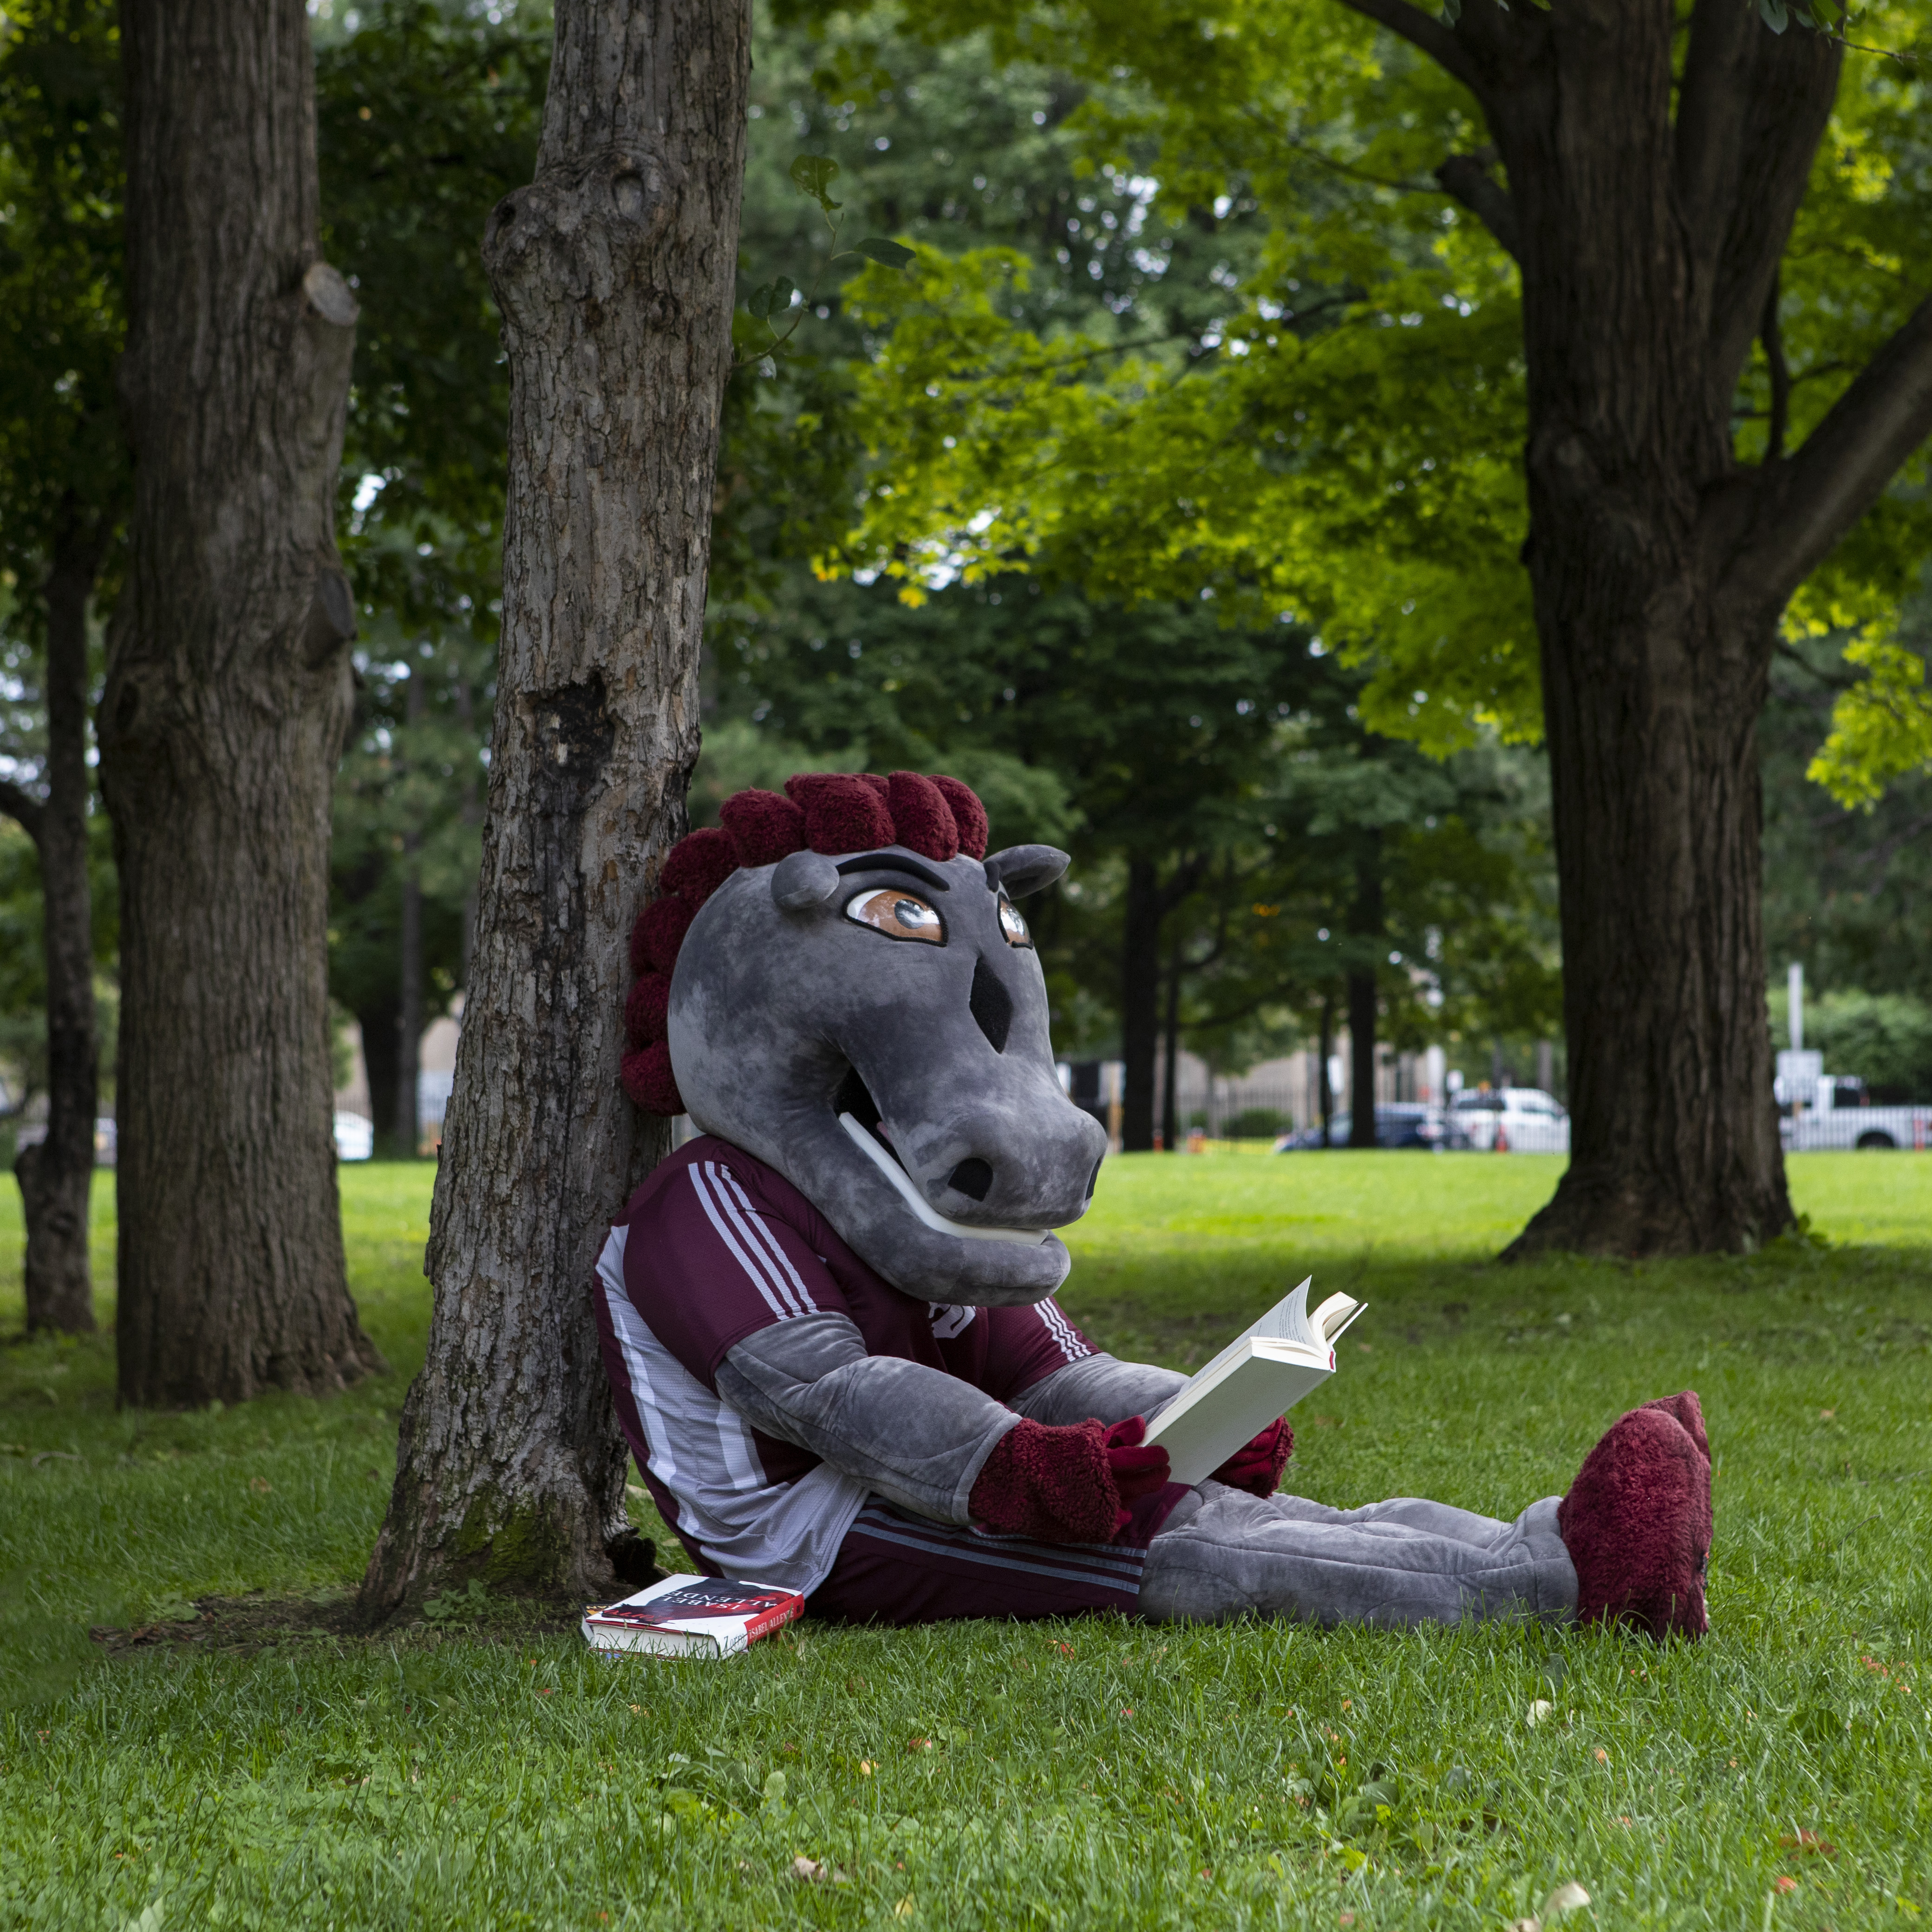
(829, 1321)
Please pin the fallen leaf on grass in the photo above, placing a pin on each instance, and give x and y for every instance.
(918, 1744)
(1538, 1711)
(814, 1871)
(1787, 1885)
(1568, 1897)
(260, 1485)
(903, 1909)
(1806, 1840)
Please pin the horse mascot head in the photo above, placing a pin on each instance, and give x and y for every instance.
(839, 981)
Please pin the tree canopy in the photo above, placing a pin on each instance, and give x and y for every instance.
(1342, 435)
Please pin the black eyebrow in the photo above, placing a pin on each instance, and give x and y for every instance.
(893, 862)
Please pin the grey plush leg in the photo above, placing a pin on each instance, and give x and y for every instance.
(1222, 1553)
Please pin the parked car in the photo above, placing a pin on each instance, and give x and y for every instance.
(1839, 1124)
(1530, 1121)
(355, 1137)
(1400, 1123)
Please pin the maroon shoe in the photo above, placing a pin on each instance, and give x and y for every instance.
(1637, 1521)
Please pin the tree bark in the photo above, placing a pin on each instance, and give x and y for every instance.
(614, 271)
(1140, 1004)
(56, 1175)
(228, 694)
(1365, 927)
(1649, 243)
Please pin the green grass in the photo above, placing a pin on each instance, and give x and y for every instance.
(1091, 1774)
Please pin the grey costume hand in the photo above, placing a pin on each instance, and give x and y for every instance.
(1100, 1387)
(918, 1435)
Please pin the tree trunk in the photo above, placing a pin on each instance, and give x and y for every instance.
(381, 1037)
(1653, 177)
(55, 1176)
(1140, 1005)
(1324, 1089)
(1656, 654)
(1170, 1103)
(1365, 926)
(614, 271)
(1653, 736)
(228, 694)
(408, 1114)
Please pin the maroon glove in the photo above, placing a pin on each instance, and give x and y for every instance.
(1065, 1485)
(1257, 1467)
(1138, 1471)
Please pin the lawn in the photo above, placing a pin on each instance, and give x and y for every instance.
(1077, 1775)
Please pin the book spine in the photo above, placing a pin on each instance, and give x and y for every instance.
(770, 1620)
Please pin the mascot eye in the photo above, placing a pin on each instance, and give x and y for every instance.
(898, 915)
(1012, 925)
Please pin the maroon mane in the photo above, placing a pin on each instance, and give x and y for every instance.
(831, 812)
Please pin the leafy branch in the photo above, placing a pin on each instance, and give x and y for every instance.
(812, 175)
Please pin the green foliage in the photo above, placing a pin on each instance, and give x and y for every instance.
(451, 1609)
(1846, 889)
(1341, 437)
(1881, 728)
(1095, 1773)
(1233, 759)
(426, 116)
(63, 462)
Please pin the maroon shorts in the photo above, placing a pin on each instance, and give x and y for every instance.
(894, 1568)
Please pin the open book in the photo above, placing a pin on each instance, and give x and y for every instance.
(1261, 1375)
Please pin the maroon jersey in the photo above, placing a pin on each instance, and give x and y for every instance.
(714, 1246)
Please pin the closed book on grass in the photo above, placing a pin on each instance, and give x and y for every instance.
(691, 1616)
(1257, 1377)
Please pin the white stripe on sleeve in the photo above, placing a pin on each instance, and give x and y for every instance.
(753, 1224)
(755, 1276)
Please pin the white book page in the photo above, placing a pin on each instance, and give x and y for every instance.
(1265, 1378)
(1287, 1321)
(1259, 1375)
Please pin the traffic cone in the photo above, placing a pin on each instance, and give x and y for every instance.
(1502, 1140)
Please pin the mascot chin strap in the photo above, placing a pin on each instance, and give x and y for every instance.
(828, 1320)
(901, 1182)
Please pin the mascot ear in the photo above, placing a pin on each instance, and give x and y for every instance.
(803, 880)
(1021, 869)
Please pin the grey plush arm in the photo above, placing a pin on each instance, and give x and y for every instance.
(1100, 1387)
(919, 1436)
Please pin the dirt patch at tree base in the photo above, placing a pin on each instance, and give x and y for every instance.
(246, 1624)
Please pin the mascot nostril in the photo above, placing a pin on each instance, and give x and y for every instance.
(834, 1384)
(971, 1177)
